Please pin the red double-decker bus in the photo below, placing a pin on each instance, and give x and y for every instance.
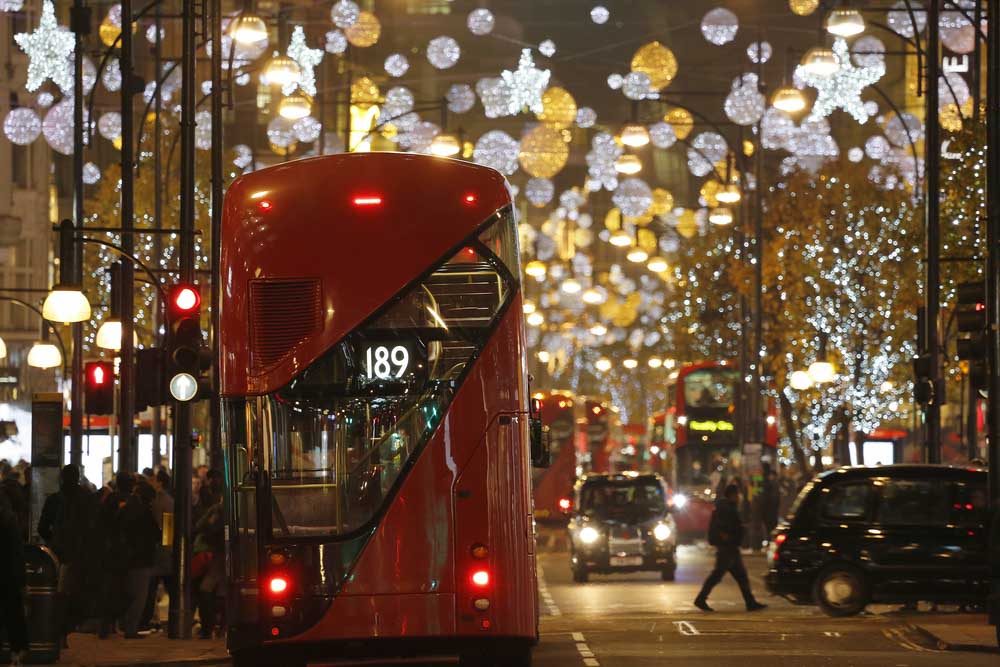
(376, 414)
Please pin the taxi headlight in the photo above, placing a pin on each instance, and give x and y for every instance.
(661, 532)
(680, 501)
(589, 535)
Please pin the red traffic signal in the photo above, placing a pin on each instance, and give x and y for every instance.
(99, 389)
(184, 299)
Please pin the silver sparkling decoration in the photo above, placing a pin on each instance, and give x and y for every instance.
(45, 99)
(307, 58)
(461, 98)
(109, 125)
(900, 21)
(868, 51)
(498, 150)
(600, 15)
(636, 86)
(443, 52)
(280, 132)
(952, 89)
(11, 5)
(396, 65)
(539, 191)
(901, 130)
(843, 88)
(203, 130)
(719, 26)
(526, 85)
(585, 117)
(547, 48)
(957, 32)
(22, 126)
(344, 13)
(91, 173)
(493, 93)
(855, 154)
(877, 147)
(759, 52)
(336, 42)
(307, 129)
(481, 21)
(662, 134)
(243, 157)
(50, 49)
(615, 81)
(745, 104)
(398, 101)
(776, 129)
(111, 77)
(58, 126)
(632, 197)
(706, 149)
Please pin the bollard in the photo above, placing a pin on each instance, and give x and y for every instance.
(42, 581)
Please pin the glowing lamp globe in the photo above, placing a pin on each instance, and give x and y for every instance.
(635, 135)
(637, 255)
(66, 304)
(654, 362)
(592, 296)
(628, 165)
(720, 215)
(3, 349)
(598, 329)
(845, 22)
(544, 356)
(571, 286)
(528, 307)
(822, 372)
(295, 107)
(536, 319)
(800, 381)
(630, 363)
(620, 238)
(788, 99)
(109, 335)
(728, 194)
(183, 386)
(535, 268)
(282, 71)
(446, 145)
(248, 29)
(603, 364)
(821, 61)
(657, 264)
(44, 355)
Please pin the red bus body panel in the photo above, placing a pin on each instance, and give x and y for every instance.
(556, 482)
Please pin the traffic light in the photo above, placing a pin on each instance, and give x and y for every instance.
(150, 378)
(99, 393)
(970, 317)
(184, 342)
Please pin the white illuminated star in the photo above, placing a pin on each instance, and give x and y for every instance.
(842, 89)
(526, 84)
(307, 59)
(49, 50)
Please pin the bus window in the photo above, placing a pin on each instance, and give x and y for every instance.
(710, 388)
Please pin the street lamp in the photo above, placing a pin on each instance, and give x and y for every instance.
(628, 164)
(654, 362)
(630, 363)
(535, 268)
(66, 304)
(43, 354)
(729, 194)
(800, 381)
(634, 135)
(248, 29)
(592, 295)
(603, 364)
(620, 238)
(445, 145)
(536, 319)
(637, 255)
(3, 349)
(820, 60)
(282, 71)
(822, 372)
(528, 307)
(571, 286)
(109, 335)
(845, 22)
(788, 99)
(598, 330)
(657, 264)
(295, 106)
(720, 215)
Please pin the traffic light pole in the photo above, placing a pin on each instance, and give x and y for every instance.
(127, 449)
(180, 605)
(993, 251)
(932, 411)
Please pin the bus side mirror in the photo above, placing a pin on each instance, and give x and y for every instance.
(539, 443)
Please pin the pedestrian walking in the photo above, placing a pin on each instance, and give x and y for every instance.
(112, 547)
(12, 580)
(208, 567)
(725, 533)
(163, 568)
(141, 535)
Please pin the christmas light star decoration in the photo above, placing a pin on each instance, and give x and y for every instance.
(49, 51)
(307, 58)
(526, 84)
(842, 89)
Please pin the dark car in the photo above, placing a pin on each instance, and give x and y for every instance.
(621, 523)
(889, 534)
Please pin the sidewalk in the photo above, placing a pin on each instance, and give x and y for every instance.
(970, 633)
(86, 650)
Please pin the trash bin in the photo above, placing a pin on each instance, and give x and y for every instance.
(42, 583)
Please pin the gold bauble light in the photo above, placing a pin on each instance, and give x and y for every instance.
(543, 152)
(663, 202)
(682, 121)
(535, 268)
(558, 108)
(365, 92)
(803, 7)
(687, 224)
(657, 62)
(709, 189)
(365, 31)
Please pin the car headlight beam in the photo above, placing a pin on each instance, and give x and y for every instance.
(662, 532)
(588, 535)
(680, 501)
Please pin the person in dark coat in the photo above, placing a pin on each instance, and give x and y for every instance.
(141, 536)
(12, 581)
(113, 549)
(18, 497)
(209, 548)
(725, 533)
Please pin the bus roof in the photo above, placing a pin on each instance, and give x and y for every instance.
(337, 236)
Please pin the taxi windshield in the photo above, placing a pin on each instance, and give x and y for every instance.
(629, 500)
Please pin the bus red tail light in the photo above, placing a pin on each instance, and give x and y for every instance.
(470, 198)
(277, 585)
(367, 200)
(565, 504)
(480, 578)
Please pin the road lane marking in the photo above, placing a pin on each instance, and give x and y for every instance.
(832, 634)
(581, 646)
(545, 595)
(578, 637)
(685, 628)
(897, 635)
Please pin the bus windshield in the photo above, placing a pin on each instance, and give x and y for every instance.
(710, 388)
(337, 438)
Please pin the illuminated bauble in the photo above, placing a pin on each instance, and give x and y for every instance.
(583, 237)
(108, 31)
(543, 152)
(396, 65)
(709, 190)
(615, 81)
(10, 6)
(803, 7)
(682, 121)
(58, 126)
(336, 42)
(636, 86)
(958, 33)
(307, 129)
(91, 173)
(498, 150)
(687, 224)
(800, 381)
(539, 191)
(706, 149)
(663, 202)
(111, 77)
(345, 13)
(461, 98)
(877, 147)
(45, 99)
(759, 52)
(365, 31)
(481, 21)
(600, 15)
(420, 138)
(493, 93)
(443, 52)
(109, 125)
(855, 154)
(719, 26)
(901, 19)
(902, 130)
(603, 364)
(952, 89)
(558, 108)
(89, 75)
(745, 104)
(281, 132)
(365, 92)
(547, 48)
(657, 62)
(398, 101)
(633, 197)
(203, 130)
(22, 126)
(662, 134)
(868, 51)
(243, 157)
(585, 117)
